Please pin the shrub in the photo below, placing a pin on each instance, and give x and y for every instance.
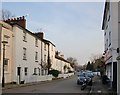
(54, 72)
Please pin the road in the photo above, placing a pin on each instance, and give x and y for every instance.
(68, 85)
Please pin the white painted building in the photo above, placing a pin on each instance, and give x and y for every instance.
(61, 64)
(28, 54)
(110, 27)
(6, 34)
(28, 59)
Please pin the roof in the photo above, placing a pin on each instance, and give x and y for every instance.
(60, 58)
(105, 14)
(33, 34)
(48, 42)
(6, 25)
(27, 31)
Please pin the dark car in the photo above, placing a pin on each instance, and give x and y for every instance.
(90, 74)
(81, 78)
(84, 77)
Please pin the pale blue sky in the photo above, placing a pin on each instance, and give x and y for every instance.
(75, 28)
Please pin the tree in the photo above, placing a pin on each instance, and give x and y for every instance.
(99, 64)
(90, 66)
(73, 62)
(6, 14)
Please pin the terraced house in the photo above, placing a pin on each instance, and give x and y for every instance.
(6, 34)
(29, 56)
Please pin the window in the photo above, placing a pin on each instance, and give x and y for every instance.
(35, 71)
(24, 53)
(44, 58)
(36, 56)
(24, 36)
(109, 18)
(105, 34)
(36, 42)
(6, 38)
(26, 71)
(44, 46)
(6, 64)
(106, 26)
(107, 44)
(109, 38)
(42, 71)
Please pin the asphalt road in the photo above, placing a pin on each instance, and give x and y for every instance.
(68, 85)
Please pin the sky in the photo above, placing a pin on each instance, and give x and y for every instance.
(74, 27)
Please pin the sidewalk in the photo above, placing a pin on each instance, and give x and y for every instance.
(98, 88)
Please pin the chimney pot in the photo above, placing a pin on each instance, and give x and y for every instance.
(17, 18)
(20, 18)
(23, 17)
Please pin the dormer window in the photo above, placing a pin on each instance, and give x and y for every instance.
(24, 36)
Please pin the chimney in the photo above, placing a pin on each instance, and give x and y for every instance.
(19, 20)
(40, 35)
(62, 55)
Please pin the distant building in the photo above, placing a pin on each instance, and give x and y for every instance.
(111, 31)
(62, 64)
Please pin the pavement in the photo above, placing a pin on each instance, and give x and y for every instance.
(100, 89)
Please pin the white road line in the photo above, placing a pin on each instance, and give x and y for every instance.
(99, 91)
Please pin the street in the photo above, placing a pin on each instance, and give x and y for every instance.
(68, 85)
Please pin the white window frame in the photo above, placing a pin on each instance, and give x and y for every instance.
(24, 53)
(26, 71)
(24, 36)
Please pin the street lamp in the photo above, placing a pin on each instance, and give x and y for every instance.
(3, 82)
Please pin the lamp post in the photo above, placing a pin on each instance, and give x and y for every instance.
(3, 79)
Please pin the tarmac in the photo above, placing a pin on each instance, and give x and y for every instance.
(97, 88)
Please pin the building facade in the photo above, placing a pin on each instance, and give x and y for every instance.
(111, 30)
(6, 34)
(29, 56)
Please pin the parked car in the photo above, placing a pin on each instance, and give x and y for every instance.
(90, 74)
(83, 77)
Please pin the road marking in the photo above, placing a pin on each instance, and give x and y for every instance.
(99, 91)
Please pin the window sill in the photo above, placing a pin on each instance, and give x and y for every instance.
(24, 59)
(24, 40)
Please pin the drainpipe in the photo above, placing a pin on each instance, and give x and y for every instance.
(48, 58)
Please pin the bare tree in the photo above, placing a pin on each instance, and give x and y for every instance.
(5, 14)
(73, 62)
(94, 57)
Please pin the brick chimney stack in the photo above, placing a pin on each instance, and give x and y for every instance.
(40, 35)
(19, 20)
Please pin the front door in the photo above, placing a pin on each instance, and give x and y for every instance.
(114, 76)
(19, 74)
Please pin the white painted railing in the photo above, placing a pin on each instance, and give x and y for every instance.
(37, 78)
(65, 75)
